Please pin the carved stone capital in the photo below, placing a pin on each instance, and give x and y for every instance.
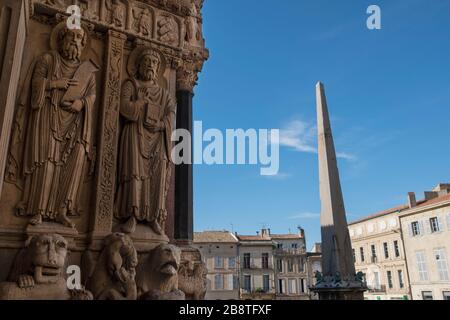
(187, 76)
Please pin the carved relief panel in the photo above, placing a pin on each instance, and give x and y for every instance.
(53, 136)
(81, 93)
(146, 20)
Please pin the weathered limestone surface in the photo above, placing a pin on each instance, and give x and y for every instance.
(338, 279)
(86, 117)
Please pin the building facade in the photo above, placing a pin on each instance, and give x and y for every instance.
(404, 251)
(314, 264)
(220, 254)
(378, 252)
(264, 266)
(257, 277)
(291, 276)
(426, 233)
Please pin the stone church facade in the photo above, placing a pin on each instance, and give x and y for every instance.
(86, 177)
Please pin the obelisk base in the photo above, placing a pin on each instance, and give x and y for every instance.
(340, 293)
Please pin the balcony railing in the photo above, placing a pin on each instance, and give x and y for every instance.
(280, 251)
(379, 289)
(257, 291)
(254, 266)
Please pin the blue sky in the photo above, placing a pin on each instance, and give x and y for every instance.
(388, 93)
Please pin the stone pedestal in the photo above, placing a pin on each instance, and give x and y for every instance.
(340, 293)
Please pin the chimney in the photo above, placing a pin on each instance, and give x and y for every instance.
(412, 200)
(302, 233)
(264, 233)
(430, 195)
(269, 231)
(442, 189)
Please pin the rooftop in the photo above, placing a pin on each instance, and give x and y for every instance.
(266, 235)
(286, 236)
(253, 238)
(214, 237)
(439, 194)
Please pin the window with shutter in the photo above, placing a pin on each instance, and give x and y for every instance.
(421, 228)
(218, 282)
(441, 260)
(235, 282)
(434, 225)
(266, 283)
(428, 228)
(416, 228)
(422, 265)
(230, 282)
(440, 225)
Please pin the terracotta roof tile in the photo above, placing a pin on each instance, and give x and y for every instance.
(434, 201)
(286, 236)
(253, 238)
(214, 236)
(380, 213)
(402, 208)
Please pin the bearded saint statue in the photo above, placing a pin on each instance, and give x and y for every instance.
(58, 140)
(145, 146)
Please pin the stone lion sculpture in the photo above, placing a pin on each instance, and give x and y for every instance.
(158, 275)
(114, 275)
(38, 272)
(192, 280)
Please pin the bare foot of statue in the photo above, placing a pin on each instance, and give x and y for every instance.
(64, 220)
(35, 220)
(129, 226)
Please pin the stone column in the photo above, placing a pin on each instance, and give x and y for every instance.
(12, 41)
(108, 145)
(184, 209)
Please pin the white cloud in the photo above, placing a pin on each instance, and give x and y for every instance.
(302, 136)
(299, 135)
(279, 176)
(305, 215)
(346, 156)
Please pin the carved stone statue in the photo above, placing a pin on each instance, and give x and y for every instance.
(168, 30)
(88, 9)
(38, 271)
(59, 135)
(193, 28)
(143, 23)
(337, 278)
(157, 277)
(192, 280)
(145, 146)
(114, 274)
(117, 12)
(55, 3)
(360, 277)
(319, 277)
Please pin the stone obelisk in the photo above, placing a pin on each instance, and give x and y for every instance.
(338, 280)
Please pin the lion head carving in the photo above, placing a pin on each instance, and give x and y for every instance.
(158, 275)
(114, 275)
(38, 272)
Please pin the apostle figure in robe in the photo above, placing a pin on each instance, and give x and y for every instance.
(59, 135)
(143, 22)
(145, 146)
(117, 12)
